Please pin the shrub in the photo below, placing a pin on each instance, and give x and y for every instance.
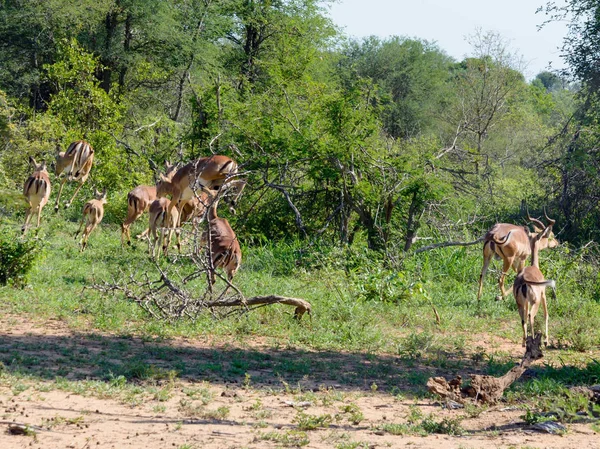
(17, 257)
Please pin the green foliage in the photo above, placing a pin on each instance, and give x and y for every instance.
(17, 258)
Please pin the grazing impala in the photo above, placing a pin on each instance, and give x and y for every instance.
(161, 219)
(530, 286)
(223, 243)
(514, 251)
(206, 174)
(76, 164)
(93, 211)
(140, 198)
(37, 191)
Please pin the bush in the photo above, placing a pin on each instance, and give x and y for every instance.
(17, 257)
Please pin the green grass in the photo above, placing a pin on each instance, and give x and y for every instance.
(371, 325)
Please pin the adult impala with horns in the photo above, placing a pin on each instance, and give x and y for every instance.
(513, 251)
(205, 174)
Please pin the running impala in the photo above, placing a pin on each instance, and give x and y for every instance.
(76, 164)
(93, 212)
(37, 191)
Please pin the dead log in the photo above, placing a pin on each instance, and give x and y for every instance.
(302, 306)
(487, 389)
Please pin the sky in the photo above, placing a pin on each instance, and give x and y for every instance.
(449, 22)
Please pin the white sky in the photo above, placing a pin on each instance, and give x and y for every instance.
(448, 22)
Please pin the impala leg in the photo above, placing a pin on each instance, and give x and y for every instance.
(524, 312)
(62, 184)
(39, 214)
(507, 263)
(27, 218)
(74, 194)
(487, 258)
(80, 227)
(545, 306)
(532, 313)
(143, 234)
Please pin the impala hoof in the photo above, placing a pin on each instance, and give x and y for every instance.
(499, 298)
(56, 208)
(67, 205)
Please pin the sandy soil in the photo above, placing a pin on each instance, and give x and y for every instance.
(252, 416)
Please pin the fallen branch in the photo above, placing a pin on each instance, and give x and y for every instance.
(445, 244)
(302, 306)
(487, 389)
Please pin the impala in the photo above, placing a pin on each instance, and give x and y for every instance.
(529, 287)
(222, 243)
(37, 191)
(140, 198)
(76, 164)
(514, 251)
(204, 175)
(93, 211)
(161, 219)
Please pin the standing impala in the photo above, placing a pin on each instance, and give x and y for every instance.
(140, 198)
(76, 164)
(529, 287)
(222, 242)
(93, 211)
(37, 191)
(206, 174)
(514, 251)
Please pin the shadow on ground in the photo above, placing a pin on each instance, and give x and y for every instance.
(99, 357)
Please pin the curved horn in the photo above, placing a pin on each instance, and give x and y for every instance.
(550, 220)
(535, 221)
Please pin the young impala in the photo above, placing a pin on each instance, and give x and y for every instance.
(93, 211)
(160, 220)
(140, 198)
(529, 287)
(37, 191)
(76, 164)
(206, 174)
(514, 251)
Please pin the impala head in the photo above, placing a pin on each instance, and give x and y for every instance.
(163, 186)
(61, 161)
(100, 196)
(543, 233)
(36, 166)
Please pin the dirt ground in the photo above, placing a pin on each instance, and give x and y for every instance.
(237, 415)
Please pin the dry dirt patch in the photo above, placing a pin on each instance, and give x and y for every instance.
(198, 411)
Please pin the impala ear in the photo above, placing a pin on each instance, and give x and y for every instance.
(32, 161)
(163, 178)
(537, 229)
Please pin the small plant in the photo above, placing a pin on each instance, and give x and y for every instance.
(219, 414)
(292, 438)
(17, 257)
(352, 412)
(312, 422)
(446, 426)
(397, 429)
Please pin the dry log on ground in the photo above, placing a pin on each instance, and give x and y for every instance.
(487, 389)
(302, 306)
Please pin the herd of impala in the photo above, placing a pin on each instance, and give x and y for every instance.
(194, 191)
